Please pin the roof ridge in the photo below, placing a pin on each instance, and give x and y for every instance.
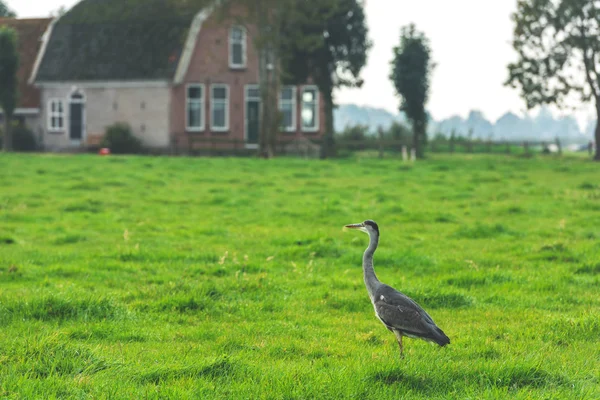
(25, 19)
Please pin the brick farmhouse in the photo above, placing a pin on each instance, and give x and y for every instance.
(172, 70)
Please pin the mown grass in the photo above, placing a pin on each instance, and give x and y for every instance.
(141, 277)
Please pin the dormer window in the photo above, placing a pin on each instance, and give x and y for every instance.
(237, 47)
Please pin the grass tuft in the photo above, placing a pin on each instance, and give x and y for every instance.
(589, 186)
(51, 308)
(221, 369)
(473, 280)
(51, 357)
(7, 240)
(485, 231)
(585, 328)
(69, 239)
(591, 269)
(431, 299)
(521, 376)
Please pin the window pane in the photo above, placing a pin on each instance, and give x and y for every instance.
(287, 116)
(308, 96)
(60, 107)
(236, 54)
(194, 92)
(194, 118)
(253, 93)
(237, 34)
(218, 116)
(287, 93)
(60, 122)
(219, 93)
(194, 115)
(53, 122)
(308, 117)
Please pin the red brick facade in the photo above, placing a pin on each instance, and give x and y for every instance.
(29, 40)
(210, 65)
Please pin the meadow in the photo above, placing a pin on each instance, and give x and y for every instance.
(128, 277)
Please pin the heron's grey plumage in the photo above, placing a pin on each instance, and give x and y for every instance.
(398, 312)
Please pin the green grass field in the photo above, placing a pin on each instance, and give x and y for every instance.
(142, 277)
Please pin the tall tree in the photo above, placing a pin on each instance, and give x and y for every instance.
(9, 64)
(5, 11)
(411, 71)
(327, 42)
(558, 43)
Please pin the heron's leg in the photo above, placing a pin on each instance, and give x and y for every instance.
(399, 339)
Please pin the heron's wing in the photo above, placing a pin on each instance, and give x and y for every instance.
(400, 312)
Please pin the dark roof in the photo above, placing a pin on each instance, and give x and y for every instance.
(100, 40)
(29, 35)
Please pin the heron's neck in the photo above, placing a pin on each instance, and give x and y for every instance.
(371, 280)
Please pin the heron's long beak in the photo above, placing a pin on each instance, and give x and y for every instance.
(355, 226)
(361, 227)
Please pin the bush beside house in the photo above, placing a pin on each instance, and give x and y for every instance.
(23, 138)
(119, 139)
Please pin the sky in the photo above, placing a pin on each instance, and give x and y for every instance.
(470, 42)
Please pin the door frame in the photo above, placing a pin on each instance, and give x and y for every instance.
(81, 101)
(247, 99)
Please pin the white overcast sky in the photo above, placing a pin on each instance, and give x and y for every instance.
(470, 41)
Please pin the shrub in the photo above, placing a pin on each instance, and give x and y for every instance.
(356, 132)
(401, 134)
(120, 140)
(354, 138)
(399, 131)
(23, 138)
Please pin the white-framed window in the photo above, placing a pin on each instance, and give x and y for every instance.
(237, 47)
(56, 115)
(194, 107)
(287, 108)
(219, 107)
(310, 109)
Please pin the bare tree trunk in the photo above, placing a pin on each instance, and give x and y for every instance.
(597, 135)
(274, 79)
(265, 106)
(268, 77)
(7, 139)
(269, 84)
(418, 138)
(328, 146)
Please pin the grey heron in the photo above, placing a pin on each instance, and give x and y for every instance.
(398, 312)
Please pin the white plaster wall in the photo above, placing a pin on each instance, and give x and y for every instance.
(145, 109)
